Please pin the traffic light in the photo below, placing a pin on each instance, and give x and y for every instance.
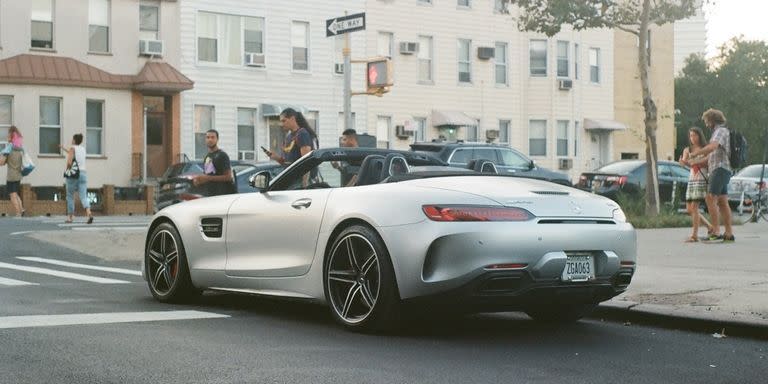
(378, 75)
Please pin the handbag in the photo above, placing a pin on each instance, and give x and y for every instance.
(27, 166)
(73, 172)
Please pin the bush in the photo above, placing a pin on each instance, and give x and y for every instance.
(633, 206)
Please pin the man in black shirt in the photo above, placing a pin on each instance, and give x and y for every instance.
(217, 172)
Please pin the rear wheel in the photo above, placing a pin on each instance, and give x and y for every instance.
(360, 281)
(166, 266)
(561, 313)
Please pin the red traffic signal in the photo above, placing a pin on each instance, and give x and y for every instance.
(379, 74)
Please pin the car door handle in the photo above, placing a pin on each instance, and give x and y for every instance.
(301, 203)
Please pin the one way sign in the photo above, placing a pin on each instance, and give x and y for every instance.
(345, 24)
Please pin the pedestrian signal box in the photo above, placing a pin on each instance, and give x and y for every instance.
(379, 75)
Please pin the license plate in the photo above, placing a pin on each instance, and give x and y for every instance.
(579, 268)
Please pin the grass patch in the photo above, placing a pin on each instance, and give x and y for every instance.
(633, 206)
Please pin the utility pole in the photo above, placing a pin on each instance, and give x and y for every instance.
(347, 52)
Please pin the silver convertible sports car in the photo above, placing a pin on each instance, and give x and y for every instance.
(372, 232)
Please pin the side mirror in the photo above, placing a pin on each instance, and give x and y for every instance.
(531, 165)
(260, 181)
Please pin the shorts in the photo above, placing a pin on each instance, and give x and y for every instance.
(718, 181)
(12, 187)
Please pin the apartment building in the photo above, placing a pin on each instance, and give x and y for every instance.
(251, 60)
(463, 71)
(103, 68)
(690, 37)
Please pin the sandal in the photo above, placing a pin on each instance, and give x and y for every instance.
(90, 219)
(692, 239)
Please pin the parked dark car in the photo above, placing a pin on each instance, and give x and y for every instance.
(508, 161)
(178, 187)
(628, 176)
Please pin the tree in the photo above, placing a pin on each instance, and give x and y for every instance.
(631, 16)
(736, 82)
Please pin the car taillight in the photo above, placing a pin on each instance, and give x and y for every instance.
(475, 213)
(189, 196)
(620, 180)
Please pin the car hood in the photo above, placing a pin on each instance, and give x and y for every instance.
(541, 198)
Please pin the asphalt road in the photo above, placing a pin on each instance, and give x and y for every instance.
(256, 340)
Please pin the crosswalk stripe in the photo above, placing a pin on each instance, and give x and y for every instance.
(81, 266)
(109, 228)
(69, 225)
(12, 282)
(66, 275)
(102, 318)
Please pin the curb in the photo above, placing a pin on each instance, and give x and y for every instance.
(668, 317)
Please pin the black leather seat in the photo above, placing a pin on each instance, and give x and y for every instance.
(482, 166)
(394, 164)
(370, 170)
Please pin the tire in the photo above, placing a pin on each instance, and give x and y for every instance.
(166, 266)
(359, 282)
(567, 313)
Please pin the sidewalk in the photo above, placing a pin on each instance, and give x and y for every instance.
(707, 286)
(701, 285)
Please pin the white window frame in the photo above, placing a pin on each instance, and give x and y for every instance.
(576, 60)
(460, 61)
(505, 125)
(530, 121)
(108, 26)
(429, 59)
(473, 132)
(241, 153)
(4, 126)
(461, 6)
(218, 38)
(52, 21)
(559, 137)
(89, 129)
(530, 58)
(263, 52)
(563, 62)
(307, 41)
(390, 51)
(153, 4)
(49, 126)
(420, 129)
(595, 65)
(382, 138)
(504, 63)
(576, 138)
(196, 127)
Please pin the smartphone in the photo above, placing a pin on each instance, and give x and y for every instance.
(267, 151)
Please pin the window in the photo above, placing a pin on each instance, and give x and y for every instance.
(562, 58)
(50, 125)
(425, 59)
(246, 134)
(226, 38)
(576, 135)
(204, 120)
(42, 24)
(383, 124)
(511, 158)
(500, 57)
(630, 156)
(94, 123)
(149, 21)
(562, 137)
(300, 45)
(385, 44)
(537, 138)
(421, 129)
(472, 132)
(465, 65)
(576, 60)
(6, 118)
(538, 53)
(98, 26)
(464, 3)
(500, 6)
(504, 131)
(594, 65)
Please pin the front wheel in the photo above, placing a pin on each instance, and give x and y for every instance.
(566, 313)
(166, 266)
(360, 281)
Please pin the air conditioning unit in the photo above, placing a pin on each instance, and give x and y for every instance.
(565, 84)
(401, 133)
(485, 53)
(338, 68)
(151, 47)
(409, 47)
(246, 155)
(565, 163)
(492, 134)
(254, 59)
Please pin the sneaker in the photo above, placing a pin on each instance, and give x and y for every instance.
(729, 239)
(713, 237)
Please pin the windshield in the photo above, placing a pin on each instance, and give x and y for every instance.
(753, 171)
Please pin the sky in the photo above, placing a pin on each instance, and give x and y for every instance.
(730, 18)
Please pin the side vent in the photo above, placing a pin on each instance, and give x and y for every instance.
(211, 227)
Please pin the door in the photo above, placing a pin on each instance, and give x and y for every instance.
(156, 135)
(274, 234)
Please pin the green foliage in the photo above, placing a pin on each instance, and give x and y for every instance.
(735, 82)
(634, 208)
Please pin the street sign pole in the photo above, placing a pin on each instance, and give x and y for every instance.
(347, 82)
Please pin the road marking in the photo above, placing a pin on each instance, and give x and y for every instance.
(21, 233)
(109, 228)
(81, 266)
(84, 224)
(12, 282)
(66, 275)
(102, 318)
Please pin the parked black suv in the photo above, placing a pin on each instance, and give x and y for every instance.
(507, 160)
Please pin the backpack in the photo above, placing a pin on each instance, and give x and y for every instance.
(739, 147)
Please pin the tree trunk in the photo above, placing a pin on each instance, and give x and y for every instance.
(651, 117)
